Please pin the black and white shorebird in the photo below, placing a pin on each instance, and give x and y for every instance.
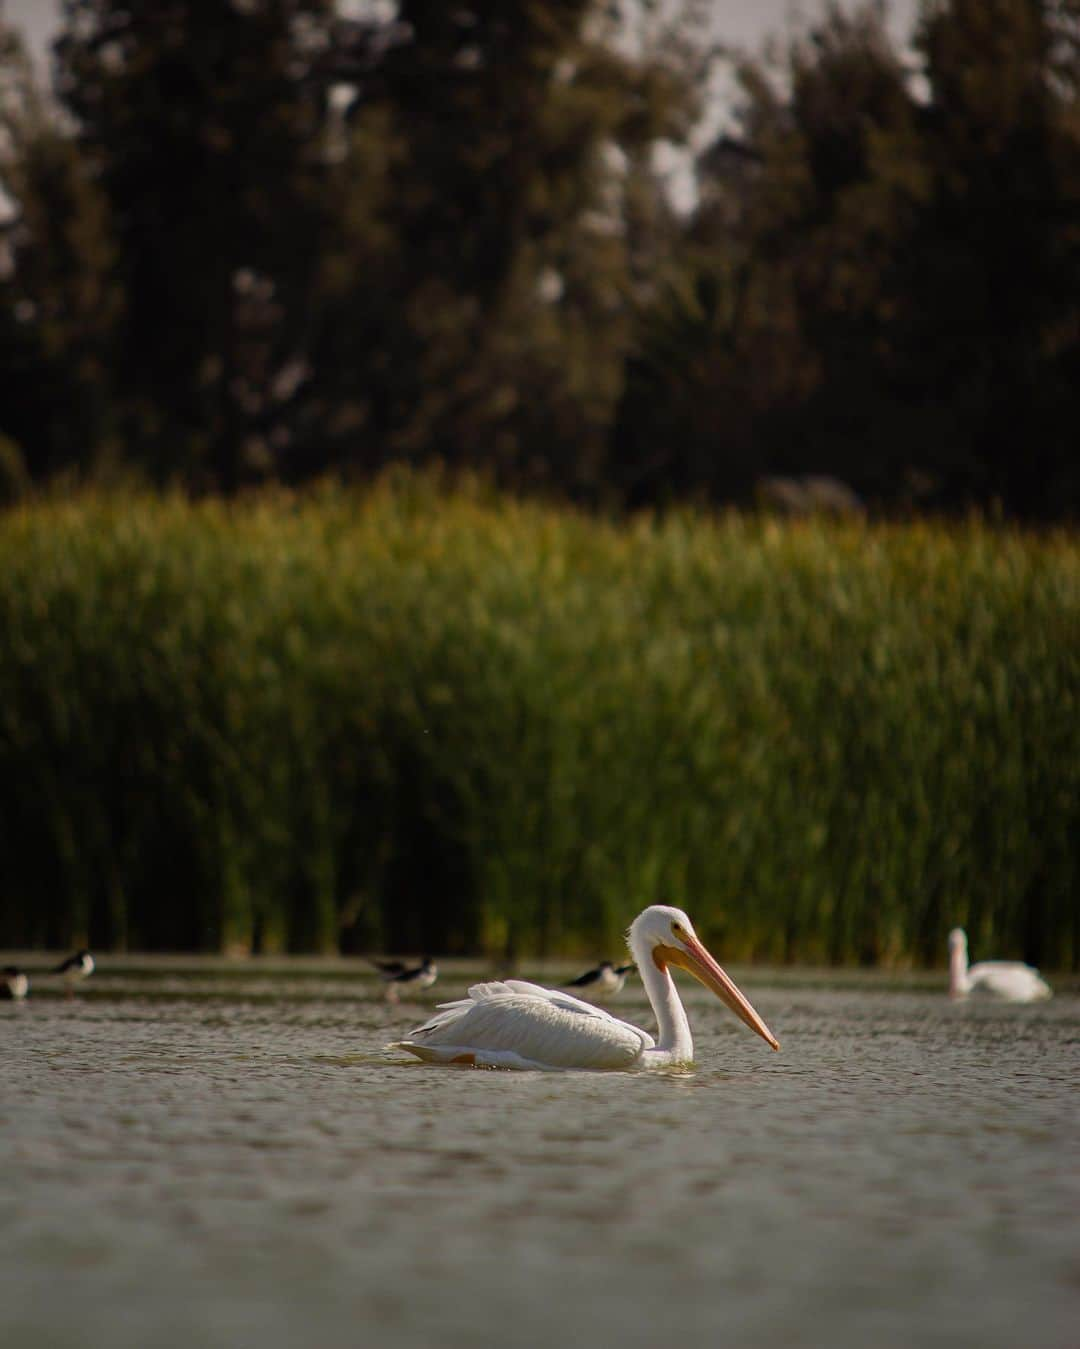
(75, 969)
(13, 983)
(399, 977)
(605, 980)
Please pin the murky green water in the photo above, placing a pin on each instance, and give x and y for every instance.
(199, 1158)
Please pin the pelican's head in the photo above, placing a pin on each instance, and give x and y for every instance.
(666, 936)
(958, 939)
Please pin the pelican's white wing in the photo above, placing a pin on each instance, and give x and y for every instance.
(1008, 979)
(521, 1025)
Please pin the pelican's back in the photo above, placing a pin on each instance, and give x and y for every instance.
(521, 1025)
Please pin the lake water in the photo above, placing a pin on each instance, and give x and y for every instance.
(206, 1155)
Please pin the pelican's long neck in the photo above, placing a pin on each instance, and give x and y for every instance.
(958, 967)
(673, 1029)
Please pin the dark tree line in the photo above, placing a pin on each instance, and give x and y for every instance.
(259, 240)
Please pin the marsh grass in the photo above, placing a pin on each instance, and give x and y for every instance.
(429, 719)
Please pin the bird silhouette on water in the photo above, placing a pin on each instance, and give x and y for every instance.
(14, 985)
(603, 981)
(74, 970)
(399, 977)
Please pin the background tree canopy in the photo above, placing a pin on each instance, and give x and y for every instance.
(260, 240)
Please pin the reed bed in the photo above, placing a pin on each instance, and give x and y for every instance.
(429, 719)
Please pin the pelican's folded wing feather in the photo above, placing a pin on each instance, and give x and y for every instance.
(523, 1025)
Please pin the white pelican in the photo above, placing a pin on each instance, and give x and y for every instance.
(604, 981)
(520, 1025)
(397, 975)
(13, 983)
(75, 969)
(1008, 979)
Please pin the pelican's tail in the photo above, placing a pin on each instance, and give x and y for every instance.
(470, 1058)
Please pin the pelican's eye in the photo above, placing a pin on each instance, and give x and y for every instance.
(678, 930)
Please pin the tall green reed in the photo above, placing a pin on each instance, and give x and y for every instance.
(420, 718)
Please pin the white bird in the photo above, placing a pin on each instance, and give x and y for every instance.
(13, 983)
(520, 1025)
(604, 981)
(1008, 979)
(75, 969)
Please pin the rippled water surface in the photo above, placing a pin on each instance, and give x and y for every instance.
(198, 1157)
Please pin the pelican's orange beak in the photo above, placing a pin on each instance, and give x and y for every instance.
(692, 957)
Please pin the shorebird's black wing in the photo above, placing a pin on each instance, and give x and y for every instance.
(584, 980)
(391, 968)
(66, 965)
(625, 969)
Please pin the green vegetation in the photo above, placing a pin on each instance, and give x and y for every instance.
(451, 721)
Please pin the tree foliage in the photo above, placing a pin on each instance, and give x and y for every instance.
(255, 239)
(896, 258)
